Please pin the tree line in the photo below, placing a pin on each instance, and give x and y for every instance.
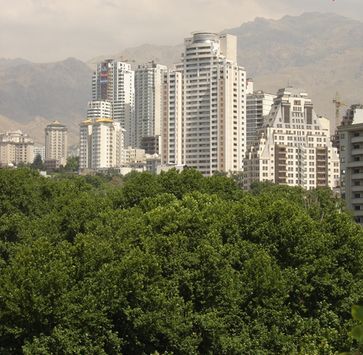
(174, 264)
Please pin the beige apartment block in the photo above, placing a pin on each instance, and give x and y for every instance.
(293, 146)
(56, 143)
(16, 148)
(101, 144)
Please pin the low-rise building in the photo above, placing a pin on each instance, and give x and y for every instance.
(134, 155)
(16, 148)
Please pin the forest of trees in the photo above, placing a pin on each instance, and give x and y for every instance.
(174, 264)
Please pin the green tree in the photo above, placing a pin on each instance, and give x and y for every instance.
(72, 164)
(177, 263)
(38, 163)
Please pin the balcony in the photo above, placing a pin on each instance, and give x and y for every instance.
(282, 181)
(357, 139)
(357, 151)
(357, 188)
(355, 164)
(357, 176)
(357, 201)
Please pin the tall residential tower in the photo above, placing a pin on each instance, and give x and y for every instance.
(214, 104)
(113, 81)
(149, 97)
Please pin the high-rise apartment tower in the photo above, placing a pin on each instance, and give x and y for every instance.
(214, 104)
(149, 101)
(113, 81)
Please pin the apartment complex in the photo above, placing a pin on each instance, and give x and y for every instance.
(149, 100)
(101, 144)
(258, 107)
(350, 137)
(16, 148)
(293, 146)
(214, 104)
(56, 144)
(113, 81)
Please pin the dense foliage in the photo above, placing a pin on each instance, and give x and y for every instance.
(174, 264)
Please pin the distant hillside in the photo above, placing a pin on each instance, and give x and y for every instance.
(53, 90)
(167, 55)
(321, 52)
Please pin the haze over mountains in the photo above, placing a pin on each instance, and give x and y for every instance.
(322, 53)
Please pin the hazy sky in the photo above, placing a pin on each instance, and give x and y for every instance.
(49, 30)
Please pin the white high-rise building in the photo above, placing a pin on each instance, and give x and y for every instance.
(113, 81)
(172, 124)
(149, 97)
(97, 109)
(101, 144)
(350, 138)
(16, 148)
(56, 143)
(214, 104)
(293, 146)
(258, 106)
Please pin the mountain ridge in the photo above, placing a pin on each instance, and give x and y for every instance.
(323, 53)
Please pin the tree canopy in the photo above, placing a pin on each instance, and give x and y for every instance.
(174, 264)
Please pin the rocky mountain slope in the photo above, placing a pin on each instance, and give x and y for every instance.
(322, 53)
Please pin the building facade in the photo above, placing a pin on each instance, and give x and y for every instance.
(56, 143)
(134, 155)
(149, 101)
(113, 81)
(350, 136)
(258, 107)
(97, 109)
(293, 146)
(214, 104)
(101, 144)
(172, 123)
(16, 148)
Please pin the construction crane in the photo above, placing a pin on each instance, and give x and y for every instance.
(338, 104)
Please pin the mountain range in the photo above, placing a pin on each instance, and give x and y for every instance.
(323, 53)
